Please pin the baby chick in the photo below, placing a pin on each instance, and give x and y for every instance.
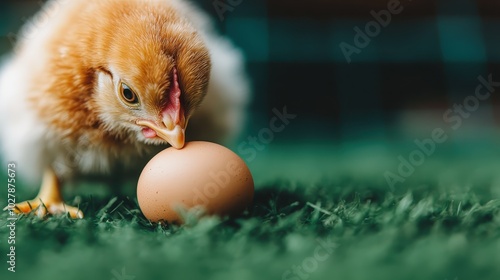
(95, 84)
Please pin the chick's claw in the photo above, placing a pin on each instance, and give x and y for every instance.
(41, 209)
(49, 200)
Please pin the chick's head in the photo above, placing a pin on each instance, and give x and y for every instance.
(153, 77)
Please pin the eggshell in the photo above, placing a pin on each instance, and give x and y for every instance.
(200, 174)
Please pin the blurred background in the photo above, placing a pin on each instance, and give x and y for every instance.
(394, 90)
(427, 58)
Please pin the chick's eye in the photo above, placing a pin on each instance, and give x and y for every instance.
(129, 96)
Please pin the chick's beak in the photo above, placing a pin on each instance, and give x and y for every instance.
(174, 134)
(172, 118)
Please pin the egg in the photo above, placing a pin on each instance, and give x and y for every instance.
(201, 175)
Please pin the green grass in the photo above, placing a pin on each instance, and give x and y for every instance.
(443, 223)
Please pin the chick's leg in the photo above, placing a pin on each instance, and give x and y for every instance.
(48, 200)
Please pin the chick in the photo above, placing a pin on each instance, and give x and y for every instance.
(96, 84)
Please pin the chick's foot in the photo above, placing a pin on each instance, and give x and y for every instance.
(42, 208)
(48, 201)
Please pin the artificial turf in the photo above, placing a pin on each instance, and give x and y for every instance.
(442, 223)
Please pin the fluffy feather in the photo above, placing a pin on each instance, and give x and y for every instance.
(58, 91)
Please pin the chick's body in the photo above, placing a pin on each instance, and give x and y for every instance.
(96, 84)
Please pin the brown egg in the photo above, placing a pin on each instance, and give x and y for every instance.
(200, 174)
